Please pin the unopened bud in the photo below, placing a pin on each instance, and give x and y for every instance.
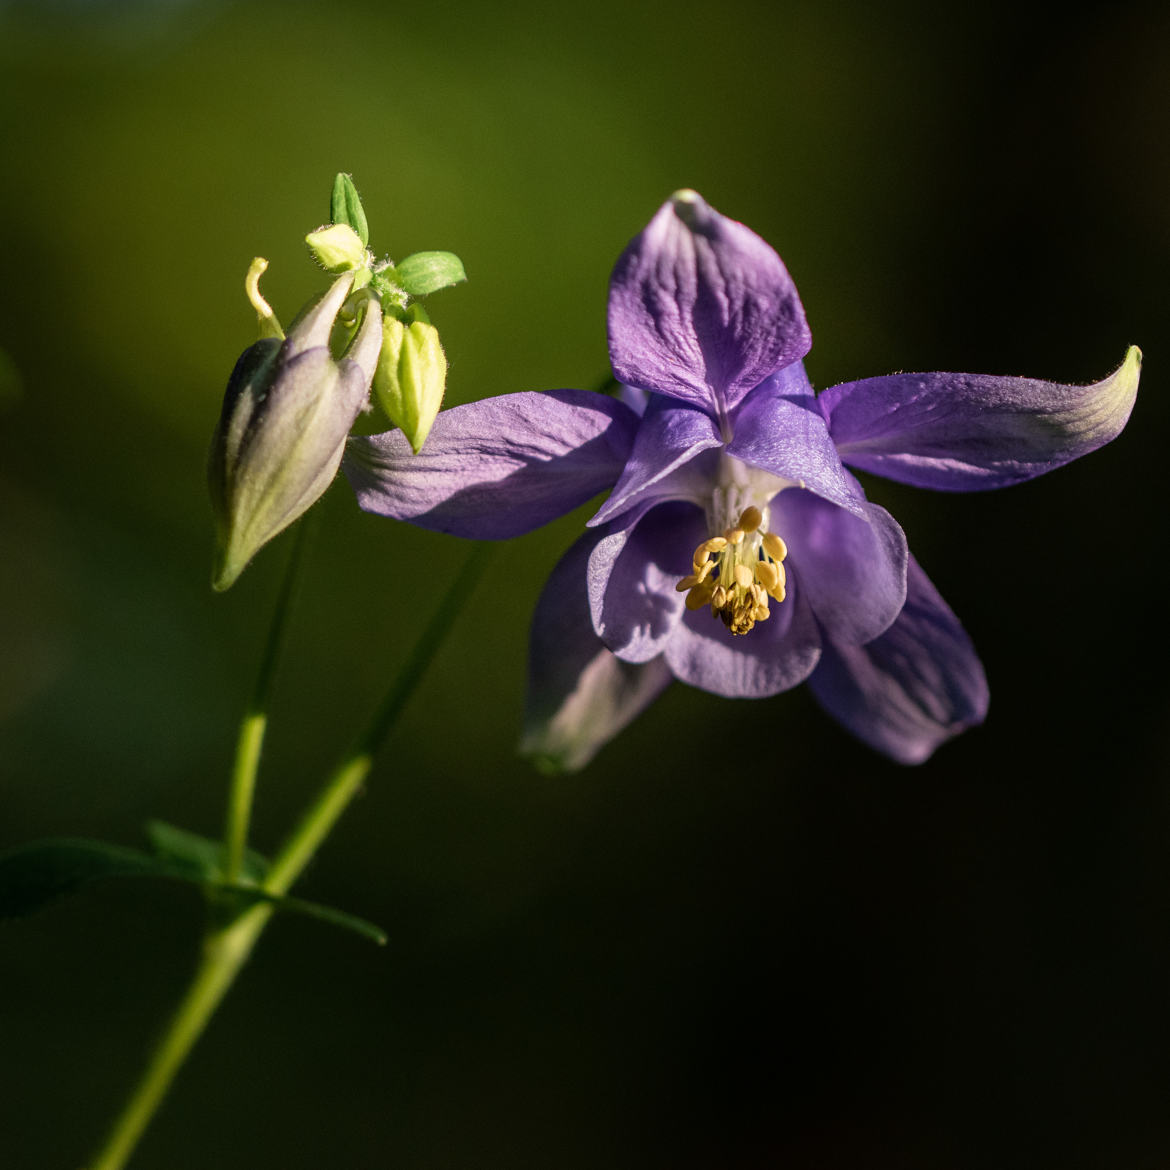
(337, 248)
(287, 411)
(412, 374)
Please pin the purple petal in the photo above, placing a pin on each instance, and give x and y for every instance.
(785, 434)
(911, 689)
(499, 467)
(633, 571)
(701, 308)
(670, 436)
(579, 694)
(967, 432)
(774, 656)
(852, 568)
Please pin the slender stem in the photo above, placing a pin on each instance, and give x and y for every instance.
(345, 781)
(255, 720)
(224, 953)
(226, 949)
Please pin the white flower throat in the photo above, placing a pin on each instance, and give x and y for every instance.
(737, 573)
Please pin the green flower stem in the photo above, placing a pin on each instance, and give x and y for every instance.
(345, 781)
(255, 721)
(226, 949)
(224, 953)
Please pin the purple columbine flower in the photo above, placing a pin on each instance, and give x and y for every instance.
(729, 496)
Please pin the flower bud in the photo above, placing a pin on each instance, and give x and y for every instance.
(337, 248)
(288, 408)
(412, 374)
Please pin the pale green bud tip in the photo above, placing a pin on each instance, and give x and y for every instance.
(337, 248)
(266, 318)
(411, 377)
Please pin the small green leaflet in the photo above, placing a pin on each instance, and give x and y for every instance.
(34, 875)
(427, 272)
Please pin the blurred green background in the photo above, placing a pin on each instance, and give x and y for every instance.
(738, 939)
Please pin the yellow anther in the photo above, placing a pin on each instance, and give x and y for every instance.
(704, 551)
(774, 546)
(751, 519)
(700, 595)
(738, 574)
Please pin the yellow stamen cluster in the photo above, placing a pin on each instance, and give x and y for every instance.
(737, 572)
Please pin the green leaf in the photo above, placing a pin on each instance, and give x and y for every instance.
(202, 855)
(345, 206)
(34, 875)
(315, 910)
(427, 272)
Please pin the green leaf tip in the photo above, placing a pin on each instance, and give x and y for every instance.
(345, 207)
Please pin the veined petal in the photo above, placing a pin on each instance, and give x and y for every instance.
(632, 574)
(579, 694)
(967, 432)
(911, 689)
(670, 435)
(852, 567)
(499, 467)
(701, 308)
(785, 434)
(774, 656)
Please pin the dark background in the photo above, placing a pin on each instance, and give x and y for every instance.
(738, 939)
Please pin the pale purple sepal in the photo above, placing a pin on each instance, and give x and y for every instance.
(499, 467)
(579, 694)
(967, 432)
(911, 689)
(702, 309)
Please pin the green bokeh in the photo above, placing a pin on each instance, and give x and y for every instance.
(737, 939)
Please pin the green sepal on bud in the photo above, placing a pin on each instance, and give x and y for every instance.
(427, 272)
(411, 376)
(345, 207)
(338, 248)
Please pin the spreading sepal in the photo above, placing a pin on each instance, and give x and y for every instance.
(971, 432)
